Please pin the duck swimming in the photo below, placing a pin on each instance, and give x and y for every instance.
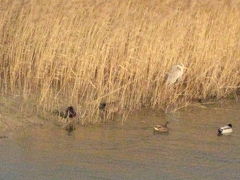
(225, 130)
(161, 128)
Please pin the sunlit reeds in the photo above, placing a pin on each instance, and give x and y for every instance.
(81, 52)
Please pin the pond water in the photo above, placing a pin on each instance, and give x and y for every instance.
(191, 150)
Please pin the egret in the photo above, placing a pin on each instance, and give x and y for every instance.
(175, 74)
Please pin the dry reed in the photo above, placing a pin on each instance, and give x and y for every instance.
(84, 52)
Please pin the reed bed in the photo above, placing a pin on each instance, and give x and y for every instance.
(84, 52)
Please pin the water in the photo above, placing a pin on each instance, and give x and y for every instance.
(191, 150)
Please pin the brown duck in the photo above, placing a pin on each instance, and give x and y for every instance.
(109, 107)
(69, 113)
(161, 128)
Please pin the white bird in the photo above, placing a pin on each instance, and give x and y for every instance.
(175, 73)
(225, 130)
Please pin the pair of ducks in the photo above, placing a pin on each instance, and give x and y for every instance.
(69, 113)
(225, 130)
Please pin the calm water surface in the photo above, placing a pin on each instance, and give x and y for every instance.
(130, 151)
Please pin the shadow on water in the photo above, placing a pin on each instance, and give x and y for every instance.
(191, 150)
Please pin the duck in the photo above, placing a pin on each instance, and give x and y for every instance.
(161, 128)
(225, 130)
(68, 113)
(111, 107)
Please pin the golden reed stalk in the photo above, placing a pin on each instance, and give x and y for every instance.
(83, 52)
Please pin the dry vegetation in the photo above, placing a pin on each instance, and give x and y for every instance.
(83, 52)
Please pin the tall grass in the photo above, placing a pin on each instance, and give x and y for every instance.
(83, 52)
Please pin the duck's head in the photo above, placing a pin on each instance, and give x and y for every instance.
(230, 125)
(70, 108)
(102, 105)
(71, 112)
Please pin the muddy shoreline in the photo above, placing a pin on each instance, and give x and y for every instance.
(14, 114)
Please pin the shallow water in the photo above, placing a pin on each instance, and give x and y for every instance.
(191, 150)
